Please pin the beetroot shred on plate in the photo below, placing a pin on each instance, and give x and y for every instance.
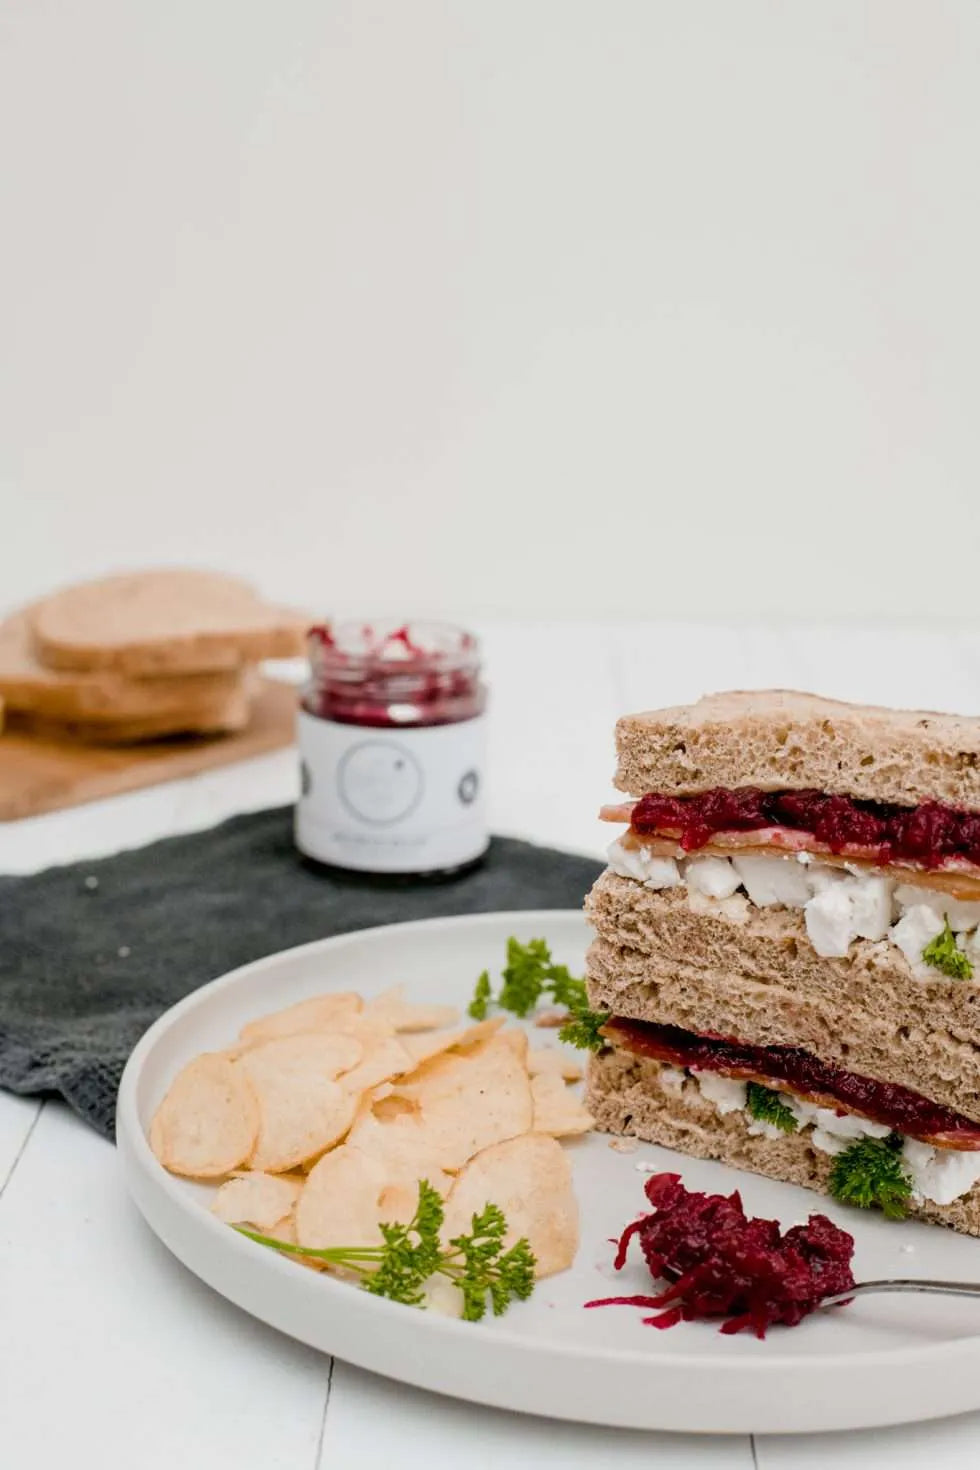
(717, 1262)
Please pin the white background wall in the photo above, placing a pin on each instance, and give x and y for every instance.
(532, 306)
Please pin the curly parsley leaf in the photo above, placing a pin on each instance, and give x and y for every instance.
(483, 1267)
(482, 998)
(870, 1174)
(769, 1107)
(529, 977)
(399, 1268)
(584, 1029)
(945, 955)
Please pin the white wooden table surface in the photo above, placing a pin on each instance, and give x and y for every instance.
(112, 1354)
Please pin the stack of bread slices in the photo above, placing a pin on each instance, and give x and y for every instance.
(141, 656)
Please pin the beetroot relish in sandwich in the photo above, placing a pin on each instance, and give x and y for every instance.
(929, 834)
(718, 1262)
(791, 1069)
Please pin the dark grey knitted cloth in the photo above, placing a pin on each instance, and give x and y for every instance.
(91, 954)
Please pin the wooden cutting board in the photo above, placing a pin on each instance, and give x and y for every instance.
(38, 774)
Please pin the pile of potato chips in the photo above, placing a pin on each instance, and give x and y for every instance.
(322, 1118)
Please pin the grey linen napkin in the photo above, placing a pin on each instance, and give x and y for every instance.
(92, 953)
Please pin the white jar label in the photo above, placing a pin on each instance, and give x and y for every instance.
(391, 800)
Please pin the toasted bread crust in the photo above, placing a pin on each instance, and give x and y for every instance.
(782, 740)
(29, 687)
(763, 982)
(625, 1096)
(219, 716)
(162, 622)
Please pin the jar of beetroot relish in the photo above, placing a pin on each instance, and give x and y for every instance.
(392, 747)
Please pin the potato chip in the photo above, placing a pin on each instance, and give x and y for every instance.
(285, 1230)
(319, 1013)
(517, 1041)
(388, 1107)
(422, 1048)
(369, 1030)
(259, 1200)
(303, 1110)
(379, 1064)
(530, 1179)
(207, 1123)
(469, 1102)
(398, 1140)
(341, 1203)
(551, 1059)
(557, 1110)
(405, 1016)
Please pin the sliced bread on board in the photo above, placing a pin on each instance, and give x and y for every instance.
(162, 622)
(30, 687)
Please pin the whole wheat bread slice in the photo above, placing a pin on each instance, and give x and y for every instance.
(30, 687)
(162, 622)
(781, 740)
(763, 982)
(219, 713)
(625, 1096)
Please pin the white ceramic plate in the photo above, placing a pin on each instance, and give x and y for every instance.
(883, 1360)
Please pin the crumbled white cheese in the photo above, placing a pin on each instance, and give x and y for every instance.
(713, 876)
(961, 915)
(735, 908)
(825, 875)
(768, 880)
(839, 904)
(727, 1093)
(871, 904)
(638, 863)
(851, 907)
(832, 1132)
(672, 1079)
(829, 919)
(941, 1175)
(914, 930)
(759, 1128)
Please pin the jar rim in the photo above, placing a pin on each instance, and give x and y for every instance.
(391, 646)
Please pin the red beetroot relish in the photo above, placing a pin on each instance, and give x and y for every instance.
(929, 834)
(802, 1073)
(410, 675)
(720, 1263)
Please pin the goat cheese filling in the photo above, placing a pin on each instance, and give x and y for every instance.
(839, 904)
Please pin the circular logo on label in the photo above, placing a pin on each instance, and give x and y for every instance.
(379, 781)
(469, 786)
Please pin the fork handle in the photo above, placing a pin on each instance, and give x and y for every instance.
(934, 1288)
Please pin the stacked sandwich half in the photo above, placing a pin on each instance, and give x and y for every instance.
(788, 947)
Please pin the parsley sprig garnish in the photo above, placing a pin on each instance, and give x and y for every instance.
(530, 976)
(398, 1269)
(870, 1173)
(584, 1029)
(769, 1107)
(945, 955)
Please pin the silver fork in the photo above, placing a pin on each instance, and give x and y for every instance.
(937, 1288)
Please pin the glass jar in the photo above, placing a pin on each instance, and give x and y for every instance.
(392, 739)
